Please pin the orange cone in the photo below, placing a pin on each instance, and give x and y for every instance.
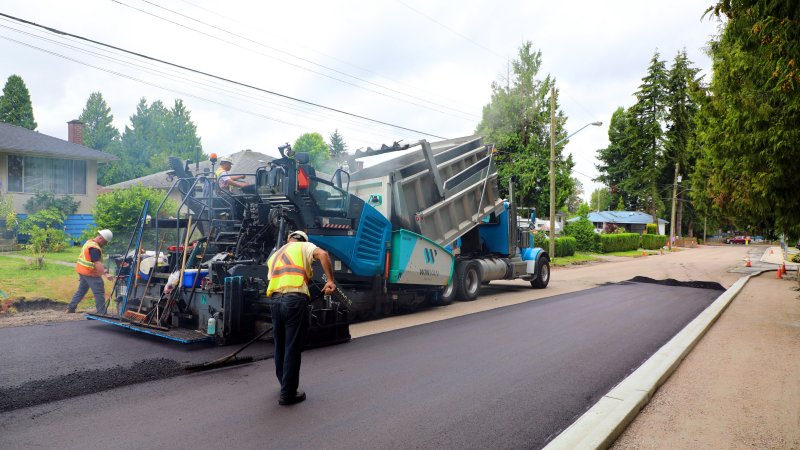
(748, 262)
(779, 273)
(783, 268)
(644, 252)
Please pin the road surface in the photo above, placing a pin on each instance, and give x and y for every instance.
(504, 378)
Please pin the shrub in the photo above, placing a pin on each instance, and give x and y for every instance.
(7, 212)
(653, 241)
(619, 242)
(47, 200)
(120, 209)
(612, 228)
(583, 232)
(44, 219)
(44, 240)
(651, 228)
(565, 246)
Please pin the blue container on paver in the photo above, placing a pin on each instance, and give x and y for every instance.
(189, 276)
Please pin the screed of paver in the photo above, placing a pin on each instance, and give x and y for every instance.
(740, 386)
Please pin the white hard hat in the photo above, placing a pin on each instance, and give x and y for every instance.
(106, 234)
(225, 159)
(299, 234)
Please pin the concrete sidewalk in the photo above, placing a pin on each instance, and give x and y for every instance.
(739, 385)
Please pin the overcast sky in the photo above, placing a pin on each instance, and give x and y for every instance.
(425, 66)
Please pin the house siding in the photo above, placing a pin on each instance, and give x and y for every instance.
(19, 199)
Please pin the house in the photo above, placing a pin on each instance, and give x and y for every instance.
(244, 162)
(543, 223)
(633, 221)
(33, 162)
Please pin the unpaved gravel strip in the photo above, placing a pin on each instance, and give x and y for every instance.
(740, 386)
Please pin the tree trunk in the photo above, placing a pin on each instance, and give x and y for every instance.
(690, 225)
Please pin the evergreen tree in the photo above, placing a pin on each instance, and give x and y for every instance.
(338, 147)
(575, 201)
(680, 132)
(517, 121)
(647, 148)
(750, 129)
(615, 165)
(98, 131)
(15, 104)
(600, 200)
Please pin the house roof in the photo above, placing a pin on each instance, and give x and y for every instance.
(621, 217)
(14, 139)
(245, 161)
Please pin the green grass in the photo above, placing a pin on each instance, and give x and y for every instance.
(632, 253)
(576, 259)
(70, 255)
(54, 281)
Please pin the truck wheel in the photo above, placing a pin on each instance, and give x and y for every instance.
(469, 280)
(542, 274)
(448, 293)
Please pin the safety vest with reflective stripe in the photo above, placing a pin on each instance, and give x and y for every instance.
(220, 182)
(85, 266)
(287, 270)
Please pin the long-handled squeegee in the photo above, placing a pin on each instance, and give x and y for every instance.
(229, 360)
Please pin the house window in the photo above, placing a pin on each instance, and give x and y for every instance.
(36, 174)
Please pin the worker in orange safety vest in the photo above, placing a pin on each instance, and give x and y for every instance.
(91, 272)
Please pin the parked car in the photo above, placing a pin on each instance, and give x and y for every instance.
(737, 240)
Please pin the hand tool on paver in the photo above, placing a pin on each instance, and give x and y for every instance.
(138, 233)
(229, 360)
(197, 278)
(172, 298)
(118, 277)
(138, 316)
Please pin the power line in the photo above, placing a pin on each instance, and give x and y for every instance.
(176, 77)
(471, 118)
(200, 72)
(468, 39)
(337, 59)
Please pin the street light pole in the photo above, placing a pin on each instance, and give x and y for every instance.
(553, 143)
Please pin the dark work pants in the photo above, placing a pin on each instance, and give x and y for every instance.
(289, 322)
(98, 289)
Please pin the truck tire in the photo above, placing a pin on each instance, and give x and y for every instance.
(448, 293)
(468, 280)
(542, 273)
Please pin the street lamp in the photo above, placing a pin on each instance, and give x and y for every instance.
(553, 143)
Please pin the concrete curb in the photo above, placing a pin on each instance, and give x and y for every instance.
(600, 426)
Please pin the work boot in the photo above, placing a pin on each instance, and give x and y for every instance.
(298, 397)
(70, 310)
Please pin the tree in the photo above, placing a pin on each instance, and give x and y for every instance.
(614, 165)
(647, 147)
(600, 199)
(15, 104)
(680, 132)
(338, 147)
(98, 131)
(517, 121)
(749, 131)
(155, 133)
(574, 201)
(314, 144)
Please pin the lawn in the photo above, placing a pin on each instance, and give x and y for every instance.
(577, 258)
(55, 281)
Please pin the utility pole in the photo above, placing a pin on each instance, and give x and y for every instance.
(672, 215)
(552, 172)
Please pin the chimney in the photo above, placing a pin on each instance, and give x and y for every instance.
(75, 131)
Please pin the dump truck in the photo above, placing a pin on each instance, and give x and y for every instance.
(425, 228)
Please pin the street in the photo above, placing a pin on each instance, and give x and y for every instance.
(506, 377)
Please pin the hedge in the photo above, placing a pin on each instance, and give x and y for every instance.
(653, 241)
(619, 242)
(565, 246)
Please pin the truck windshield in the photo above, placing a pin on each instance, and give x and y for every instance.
(328, 197)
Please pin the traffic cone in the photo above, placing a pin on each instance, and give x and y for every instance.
(644, 252)
(780, 272)
(783, 268)
(748, 262)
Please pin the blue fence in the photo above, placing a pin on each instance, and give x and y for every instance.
(74, 226)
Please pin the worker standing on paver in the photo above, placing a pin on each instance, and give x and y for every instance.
(225, 181)
(289, 274)
(91, 271)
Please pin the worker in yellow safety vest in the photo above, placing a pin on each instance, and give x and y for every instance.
(289, 273)
(91, 271)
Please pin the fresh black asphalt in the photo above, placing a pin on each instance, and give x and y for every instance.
(512, 377)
